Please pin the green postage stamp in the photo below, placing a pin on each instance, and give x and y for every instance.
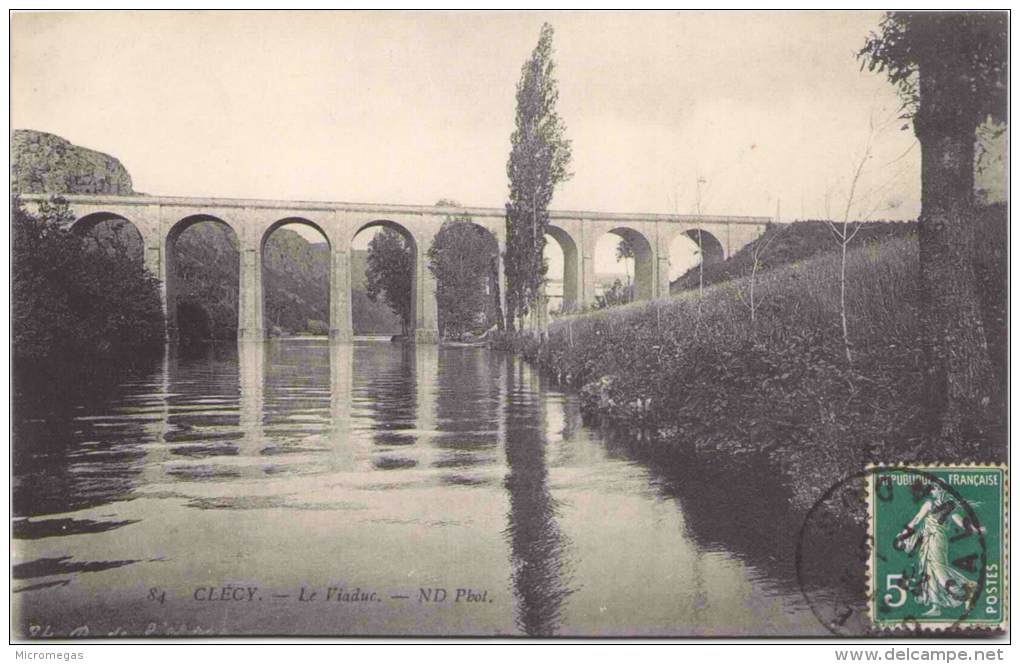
(939, 539)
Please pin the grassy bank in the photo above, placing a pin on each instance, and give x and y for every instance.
(786, 244)
(699, 373)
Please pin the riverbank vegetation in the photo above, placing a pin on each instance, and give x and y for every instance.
(781, 385)
(77, 310)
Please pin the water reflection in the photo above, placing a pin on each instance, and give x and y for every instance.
(341, 392)
(251, 369)
(426, 371)
(396, 467)
(540, 580)
(71, 454)
(297, 406)
(202, 418)
(386, 394)
(708, 491)
(467, 409)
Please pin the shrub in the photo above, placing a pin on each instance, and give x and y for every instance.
(614, 296)
(318, 328)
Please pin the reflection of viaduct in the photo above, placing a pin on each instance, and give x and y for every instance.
(160, 220)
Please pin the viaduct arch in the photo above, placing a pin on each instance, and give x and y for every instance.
(160, 219)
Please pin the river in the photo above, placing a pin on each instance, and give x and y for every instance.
(301, 488)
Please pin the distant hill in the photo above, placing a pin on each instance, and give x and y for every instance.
(296, 272)
(788, 243)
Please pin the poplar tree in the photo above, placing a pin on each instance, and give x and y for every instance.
(539, 159)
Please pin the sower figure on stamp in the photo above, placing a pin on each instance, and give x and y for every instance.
(938, 585)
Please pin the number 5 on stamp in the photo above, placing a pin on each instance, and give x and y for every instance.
(939, 540)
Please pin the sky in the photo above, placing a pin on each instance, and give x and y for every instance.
(769, 109)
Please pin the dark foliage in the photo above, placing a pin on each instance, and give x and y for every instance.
(970, 45)
(460, 259)
(76, 308)
(193, 324)
(390, 274)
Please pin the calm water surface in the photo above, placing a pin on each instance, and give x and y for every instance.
(287, 474)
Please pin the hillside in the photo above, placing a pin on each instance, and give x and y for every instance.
(295, 284)
(296, 272)
(207, 274)
(788, 243)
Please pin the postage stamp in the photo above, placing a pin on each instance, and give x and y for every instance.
(939, 543)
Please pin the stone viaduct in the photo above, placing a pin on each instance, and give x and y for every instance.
(161, 219)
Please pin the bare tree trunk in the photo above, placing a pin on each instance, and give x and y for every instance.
(844, 236)
(701, 267)
(754, 278)
(842, 298)
(959, 373)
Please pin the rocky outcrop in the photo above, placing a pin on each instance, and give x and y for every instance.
(44, 163)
